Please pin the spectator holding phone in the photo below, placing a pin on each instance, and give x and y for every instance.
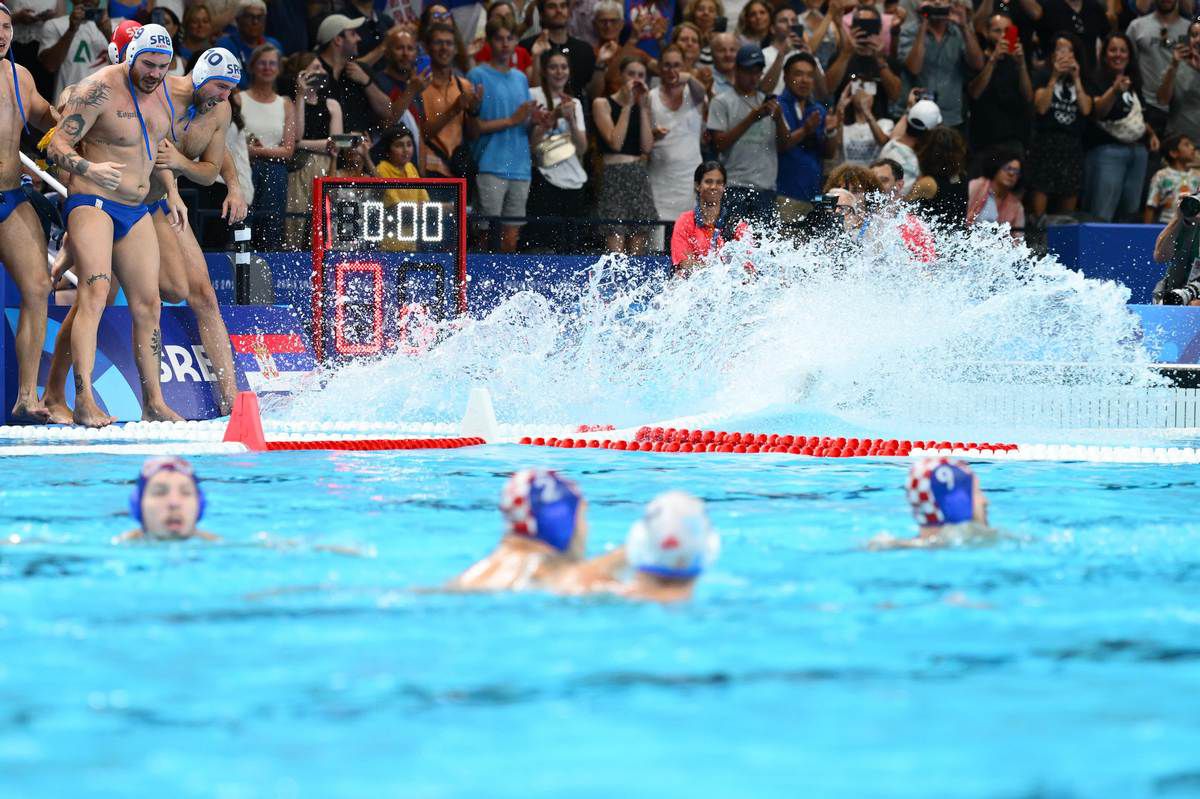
(677, 111)
(1180, 176)
(890, 21)
(373, 31)
(748, 130)
(76, 45)
(821, 32)
(1155, 36)
(1181, 86)
(1116, 137)
(787, 37)
(1002, 93)
(1085, 19)
(863, 62)
(939, 54)
(855, 135)
(318, 124)
(1056, 154)
(802, 152)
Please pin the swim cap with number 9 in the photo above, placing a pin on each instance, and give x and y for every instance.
(149, 39)
(216, 63)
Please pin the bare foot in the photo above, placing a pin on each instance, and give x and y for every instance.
(160, 413)
(91, 416)
(60, 411)
(25, 412)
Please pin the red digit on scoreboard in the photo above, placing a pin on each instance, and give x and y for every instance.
(373, 344)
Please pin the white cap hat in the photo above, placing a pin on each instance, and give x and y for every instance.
(216, 63)
(924, 115)
(149, 39)
(334, 24)
(673, 538)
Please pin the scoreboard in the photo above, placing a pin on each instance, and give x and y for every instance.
(389, 263)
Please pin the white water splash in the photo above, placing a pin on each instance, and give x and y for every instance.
(857, 330)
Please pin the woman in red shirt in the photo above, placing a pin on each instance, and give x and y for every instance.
(706, 228)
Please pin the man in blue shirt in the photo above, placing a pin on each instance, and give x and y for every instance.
(251, 24)
(800, 156)
(502, 150)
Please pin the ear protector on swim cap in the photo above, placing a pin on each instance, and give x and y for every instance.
(216, 63)
(121, 38)
(149, 39)
(673, 538)
(540, 504)
(941, 491)
(153, 466)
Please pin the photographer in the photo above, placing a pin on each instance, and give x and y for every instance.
(940, 54)
(1179, 244)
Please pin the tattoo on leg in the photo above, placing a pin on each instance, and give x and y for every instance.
(78, 383)
(94, 278)
(156, 342)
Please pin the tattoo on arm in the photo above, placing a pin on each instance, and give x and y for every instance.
(72, 127)
(89, 95)
(71, 161)
(95, 278)
(156, 342)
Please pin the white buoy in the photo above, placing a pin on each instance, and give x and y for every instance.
(480, 419)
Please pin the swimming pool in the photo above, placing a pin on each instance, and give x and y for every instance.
(1062, 663)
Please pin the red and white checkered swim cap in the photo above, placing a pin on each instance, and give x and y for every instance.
(540, 504)
(941, 491)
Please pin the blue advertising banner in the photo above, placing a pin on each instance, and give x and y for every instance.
(271, 354)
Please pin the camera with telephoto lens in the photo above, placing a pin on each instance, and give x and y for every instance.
(1189, 207)
(1181, 296)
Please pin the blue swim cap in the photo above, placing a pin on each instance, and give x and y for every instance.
(540, 504)
(153, 466)
(941, 491)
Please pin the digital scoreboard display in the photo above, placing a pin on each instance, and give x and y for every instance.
(389, 263)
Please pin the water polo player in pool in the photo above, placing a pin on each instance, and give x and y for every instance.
(948, 504)
(167, 503)
(545, 536)
(665, 552)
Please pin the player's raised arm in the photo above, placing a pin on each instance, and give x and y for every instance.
(88, 100)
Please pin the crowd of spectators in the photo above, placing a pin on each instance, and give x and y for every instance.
(589, 118)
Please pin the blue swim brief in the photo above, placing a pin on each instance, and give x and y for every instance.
(9, 200)
(123, 216)
(159, 205)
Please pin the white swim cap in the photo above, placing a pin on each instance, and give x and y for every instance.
(673, 538)
(149, 39)
(216, 63)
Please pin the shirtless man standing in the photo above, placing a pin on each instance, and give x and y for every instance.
(201, 117)
(117, 120)
(22, 245)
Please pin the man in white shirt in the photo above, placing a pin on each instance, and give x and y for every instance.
(29, 17)
(76, 45)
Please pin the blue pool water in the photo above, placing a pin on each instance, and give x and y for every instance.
(1063, 663)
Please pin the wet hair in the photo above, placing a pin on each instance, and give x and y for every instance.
(710, 166)
(852, 178)
(892, 165)
(942, 153)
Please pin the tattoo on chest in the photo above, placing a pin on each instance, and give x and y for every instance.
(126, 115)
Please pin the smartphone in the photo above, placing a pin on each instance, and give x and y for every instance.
(346, 141)
(93, 14)
(870, 87)
(721, 25)
(423, 62)
(1012, 36)
(798, 30)
(871, 26)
